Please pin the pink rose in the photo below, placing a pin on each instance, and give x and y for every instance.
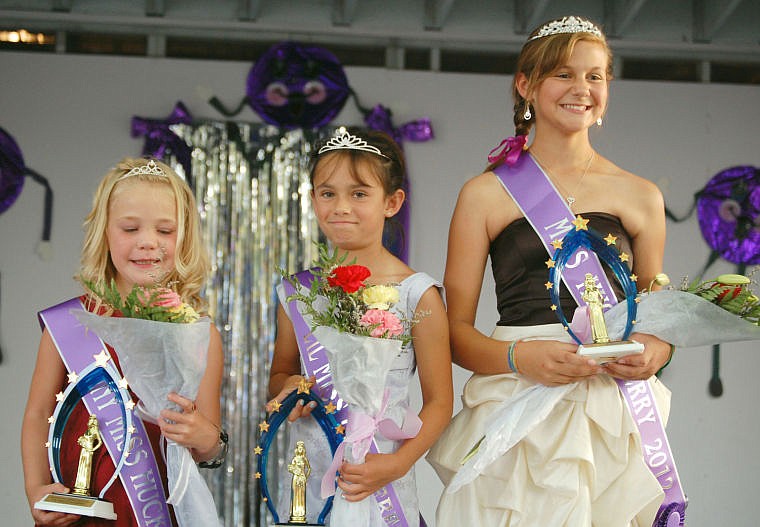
(164, 297)
(383, 323)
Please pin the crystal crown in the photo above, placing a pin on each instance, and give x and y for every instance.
(568, 24)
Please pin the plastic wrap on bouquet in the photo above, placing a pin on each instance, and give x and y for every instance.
(513, 419)
(359, 366)
(158, 358)
(683, 319)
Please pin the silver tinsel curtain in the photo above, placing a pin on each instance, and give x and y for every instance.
(251, 182)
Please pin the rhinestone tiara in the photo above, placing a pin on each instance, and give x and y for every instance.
(151, 169)
(342, 140)
(568, 24)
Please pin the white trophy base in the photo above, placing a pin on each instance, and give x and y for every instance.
(75, 504)
(610, 351)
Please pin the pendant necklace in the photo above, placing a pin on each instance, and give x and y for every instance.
(570, 198)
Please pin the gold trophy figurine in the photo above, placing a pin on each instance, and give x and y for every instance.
(89, 442)
(603, 348)
(79, 501)
(301, 469)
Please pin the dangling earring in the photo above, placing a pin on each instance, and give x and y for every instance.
(527, 115)
(599, 121)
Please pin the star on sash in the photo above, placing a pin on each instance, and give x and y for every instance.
(330, 408)
(101, 359)
(129, 405)
(610, 239)
(557, 244)
(340, 430)
(549, 285)
(123, 383)
(624, 257)
(59, 396)
(580, 223)
(263, 426)
(549, 263)
(73, 377)
(258, 450)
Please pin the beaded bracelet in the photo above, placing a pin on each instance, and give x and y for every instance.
(511, 362)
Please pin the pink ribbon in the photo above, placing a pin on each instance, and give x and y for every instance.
(360, 430)
(509, 150)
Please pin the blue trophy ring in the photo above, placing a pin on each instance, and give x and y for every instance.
(327, 423)
(89, 378)
(608, 254)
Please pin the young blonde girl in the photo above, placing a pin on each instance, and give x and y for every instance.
(143, 229)
(356, 189)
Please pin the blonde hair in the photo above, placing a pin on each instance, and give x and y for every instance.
(542, 56)
(191, 263)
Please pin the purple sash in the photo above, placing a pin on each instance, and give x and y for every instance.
(315, 363)
(139, 473)
(551, 218)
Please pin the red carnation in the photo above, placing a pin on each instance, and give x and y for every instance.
(348, 277)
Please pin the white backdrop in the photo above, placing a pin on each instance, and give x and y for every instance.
(71, 117)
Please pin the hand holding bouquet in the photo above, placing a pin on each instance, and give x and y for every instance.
(697, 314)
(362, 336)
(162, 345)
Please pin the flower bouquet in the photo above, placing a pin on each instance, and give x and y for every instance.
(362, 336)
(162, 344)
(696, 314)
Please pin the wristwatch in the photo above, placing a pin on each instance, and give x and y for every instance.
(218, 459)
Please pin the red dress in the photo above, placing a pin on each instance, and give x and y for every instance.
(103, 466)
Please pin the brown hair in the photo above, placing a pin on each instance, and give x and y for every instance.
(539, 58)
(389, 168)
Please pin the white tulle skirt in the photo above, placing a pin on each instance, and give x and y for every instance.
(581, 466)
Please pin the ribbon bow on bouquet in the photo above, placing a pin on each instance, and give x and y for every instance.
(359, 367)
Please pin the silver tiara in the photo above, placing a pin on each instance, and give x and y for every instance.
(342, 140)
(568, 24)
(151, 169)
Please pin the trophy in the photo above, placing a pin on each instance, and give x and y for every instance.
(299, 467)
(602, 348)
(79, 501)
(103, 379)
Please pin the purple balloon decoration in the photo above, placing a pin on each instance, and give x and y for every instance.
(160, 140)
(380, 118)
(728, 209)
(296, 86)
(12, 170)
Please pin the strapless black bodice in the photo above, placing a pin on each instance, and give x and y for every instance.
(518, 260)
